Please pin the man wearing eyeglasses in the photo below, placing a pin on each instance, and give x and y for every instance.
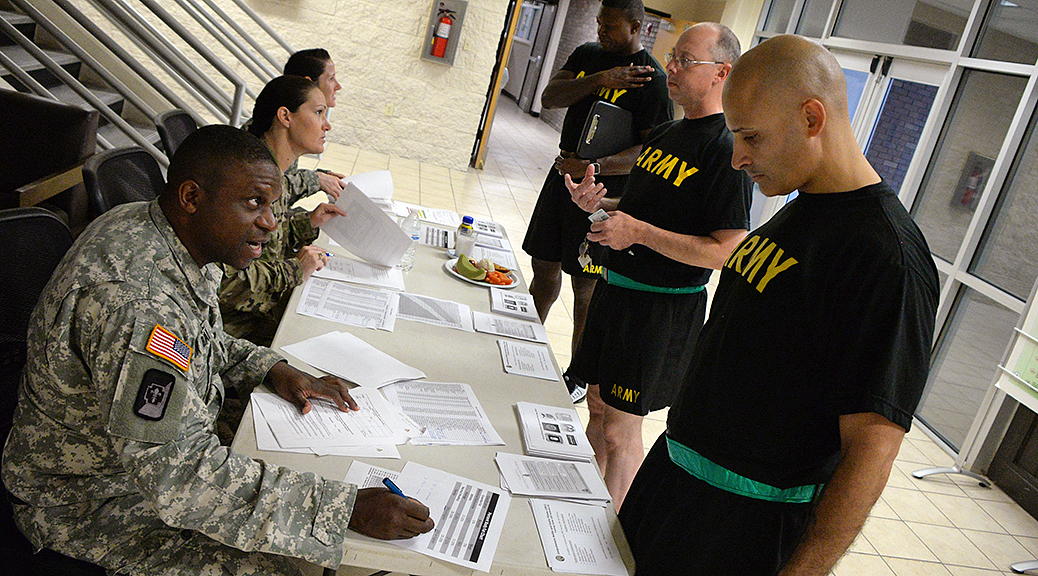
(684, 210)
(618, 70)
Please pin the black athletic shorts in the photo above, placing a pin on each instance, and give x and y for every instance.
(678, 524)
(558, 226)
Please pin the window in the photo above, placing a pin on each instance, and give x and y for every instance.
(935, 24)
(1009, 32)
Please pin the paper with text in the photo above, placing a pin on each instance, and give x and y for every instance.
(376, 185)
(353, 305)
(550, 478)
(357, 272)
(265, 441)
(502, 257)
(450, 413)
(429, 310)
(489, 241)
(488, 228)
(469, 516)
(525, 359)
(325, 425)
(577, 538)
(511, 327)
(443, 217)
(513, 303)
(437, 237)
(367, 231)
(349, 357)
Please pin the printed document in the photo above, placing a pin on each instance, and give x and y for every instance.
(493, 242)
(577, 538)
(376, 423)
(450, 413)
(357, 272)
(469, 516)
(550, 478)
(443, 217)
(437, 237)
(265, 440)
(502, 257)
(553, 432)
(533, 360)
(503, 326)
(350, 358)
(365, 230)
(353, 305)
(513, 303)
(488, 228)
(434, 311)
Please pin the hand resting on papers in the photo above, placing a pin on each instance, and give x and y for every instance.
(297, 387)
(381, 514)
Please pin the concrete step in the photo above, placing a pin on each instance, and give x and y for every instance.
(115, 136)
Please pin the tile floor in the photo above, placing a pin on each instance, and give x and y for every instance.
(941, 526)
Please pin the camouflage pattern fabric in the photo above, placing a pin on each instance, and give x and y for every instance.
(104, 478)
(301, 183)
(253, 300)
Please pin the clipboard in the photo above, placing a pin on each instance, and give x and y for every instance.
(608, 129)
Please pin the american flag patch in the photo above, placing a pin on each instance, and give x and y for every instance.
(164, 344)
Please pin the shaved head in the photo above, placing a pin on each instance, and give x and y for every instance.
(788, 70)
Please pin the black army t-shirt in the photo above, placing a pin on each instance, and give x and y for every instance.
(827, 309)
(650, 103)
(683, 182)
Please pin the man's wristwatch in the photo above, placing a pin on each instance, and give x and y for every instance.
(598, 168)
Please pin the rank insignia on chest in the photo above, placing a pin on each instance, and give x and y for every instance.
(153, 395)
(165, 344)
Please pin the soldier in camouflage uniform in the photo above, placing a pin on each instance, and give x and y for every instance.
(112, 457)
(290, 116)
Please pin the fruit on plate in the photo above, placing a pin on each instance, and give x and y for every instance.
(467, 268)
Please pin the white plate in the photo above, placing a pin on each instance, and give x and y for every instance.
(449, 267)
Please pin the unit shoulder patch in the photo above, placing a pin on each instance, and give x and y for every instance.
(154, 394)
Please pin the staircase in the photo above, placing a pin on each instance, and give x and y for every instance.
(109, 135)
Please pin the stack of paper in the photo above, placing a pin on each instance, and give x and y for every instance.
(553, 432)
(347, 304)
(523, 359)
(504, 326)
(366, 230)
(357, 272)
(514, 304)
(578, 538)
(375, 185)
(350, 358)
(550, 478)
(376, 423)
(440, 216)
(449, 412)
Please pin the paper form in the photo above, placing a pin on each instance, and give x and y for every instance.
(366, 230)
(502, 257)
(487, 228)
(368, 476)
(550, 478)
(266, 441)
(524, 359)
(376, 185)
(469, 516)
(434, 311)
(493, 242)
(577, 538)
(325, 425)
(502, 326)
(349, 357)
(323, 298)
(514, 304)
(437, 237)
(553, 432)
(450, 413)
(448, 218)
(350, 270)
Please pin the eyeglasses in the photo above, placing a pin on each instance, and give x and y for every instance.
(685, 62)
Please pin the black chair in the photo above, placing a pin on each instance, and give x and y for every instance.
(121, 175)
(34, 241)
(173, 127)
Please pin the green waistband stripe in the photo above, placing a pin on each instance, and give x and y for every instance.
(719, 477)
(622, 281)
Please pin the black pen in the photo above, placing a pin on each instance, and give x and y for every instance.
(392, 487)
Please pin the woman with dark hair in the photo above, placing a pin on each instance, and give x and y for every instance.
(289, 115)
(315, 64)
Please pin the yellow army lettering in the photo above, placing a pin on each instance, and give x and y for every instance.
(761, 249)
(664, 167)
(593, 269)
(625, 394)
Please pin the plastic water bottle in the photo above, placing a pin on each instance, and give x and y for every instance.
(465, 241)
(413, 227)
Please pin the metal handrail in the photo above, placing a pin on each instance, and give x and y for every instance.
(263, 24)
(127, 59)
(276, 64)
(218, 30)
(84, 92)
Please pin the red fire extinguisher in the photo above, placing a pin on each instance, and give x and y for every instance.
(442, 33)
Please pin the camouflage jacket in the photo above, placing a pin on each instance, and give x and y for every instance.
(256, 294)
(126, 364)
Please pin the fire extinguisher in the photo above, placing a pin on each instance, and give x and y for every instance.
(442, 33)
